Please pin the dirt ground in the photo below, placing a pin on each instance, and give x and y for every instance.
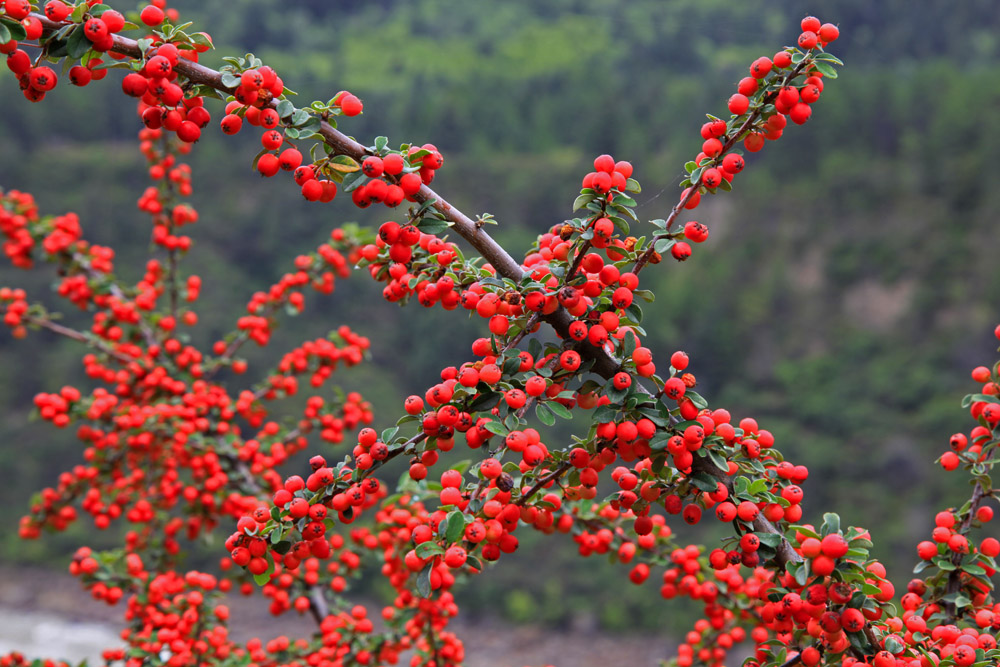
(46, 614)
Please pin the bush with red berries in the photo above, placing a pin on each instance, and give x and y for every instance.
(176, 447)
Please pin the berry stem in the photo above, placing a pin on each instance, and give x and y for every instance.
(693, 190)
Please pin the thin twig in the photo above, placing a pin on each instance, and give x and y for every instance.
(92, 341)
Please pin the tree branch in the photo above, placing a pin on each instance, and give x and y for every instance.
(46, 323)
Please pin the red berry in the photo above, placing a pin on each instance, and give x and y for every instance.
(760, 67)
(57, 10)
(393, 164)
(43, 79)
(733, 163)
(410, 183)
(151, 15)
(747, 86)
(95, 30)
(79, 76)
(268, 164)
(350, 105)
(711, 178)
(602, 182)
(272, 140)
(712, 147)
(800, 113)
(808, 40)
(738, 104)
(188, 132)
(18, 9)
(810, 23)
(231, 123)
(621, 381)
(115, 21)
(290, 159)
(604, 163)
(372, 166)
(834, 545)
(134, 84)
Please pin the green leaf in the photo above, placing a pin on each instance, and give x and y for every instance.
(5, 35)
(497, 428)
(77, 15)
(979, 398)
(312, 125)
(544, 414)
(606, 413)
(697, 399)
(380, 143)
(705, 482)
(831, 524)
(285, 108)
(718, 459)
(433, 225)
(974, 570)
(943, 563)
(15, 28)
(802, 573)
(808, 532)
(427, 549)
(870, 589)
(828, 70)
(486, 398)
(770, 539)
(559, 409)
(634, 312)
(424, 581)
(353, 180)
(659, 441)
(474, 562)
(199, 38)
(582, 201)
(230, 80)
(829, 57)
(663, 245)
(456, 527)
(620, 224)
(632, 185)
(893, 645)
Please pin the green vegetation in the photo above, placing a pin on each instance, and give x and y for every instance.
(833, 300)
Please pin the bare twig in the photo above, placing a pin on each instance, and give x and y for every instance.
(92, 341)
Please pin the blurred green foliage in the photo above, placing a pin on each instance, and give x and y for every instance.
(848, 286)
